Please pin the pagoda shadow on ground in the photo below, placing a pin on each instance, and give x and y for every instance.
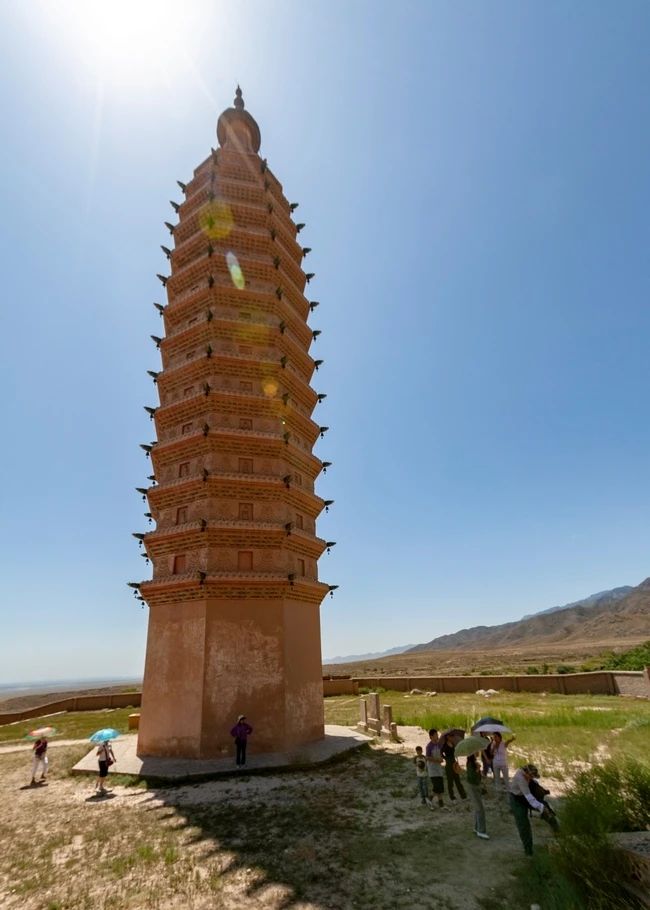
(338, 741)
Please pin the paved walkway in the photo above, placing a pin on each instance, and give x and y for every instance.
(337, 740)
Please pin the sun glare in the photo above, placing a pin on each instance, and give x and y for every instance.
(129, 42)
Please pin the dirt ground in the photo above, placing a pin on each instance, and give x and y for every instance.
(348, 835)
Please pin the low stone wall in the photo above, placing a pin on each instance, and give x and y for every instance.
(333, 685)
(75, 703)
(599, 682)
(630, 683)
(340, 685)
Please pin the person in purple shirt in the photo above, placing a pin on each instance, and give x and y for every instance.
(241, 731)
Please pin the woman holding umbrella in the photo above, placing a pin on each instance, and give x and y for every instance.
(471, 747)
(499, 753)
(486, 757)
(105, 756)
(40, 760)
(39, 750)
(497, 750)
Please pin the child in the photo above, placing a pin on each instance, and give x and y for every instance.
(420, 763)
(500, 762)
(40, 760)
(474, 787)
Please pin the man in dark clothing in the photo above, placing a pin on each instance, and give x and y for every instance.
(448, 752)
(241, 731)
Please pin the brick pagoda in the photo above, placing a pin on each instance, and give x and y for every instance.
(234, 600)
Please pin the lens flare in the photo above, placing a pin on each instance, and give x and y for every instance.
(270, 387)
(216, 219)
(235, 271)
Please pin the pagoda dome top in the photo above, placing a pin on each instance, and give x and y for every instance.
(236, 124)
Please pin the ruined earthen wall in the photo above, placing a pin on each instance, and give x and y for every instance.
(74, 703)
(600, 682)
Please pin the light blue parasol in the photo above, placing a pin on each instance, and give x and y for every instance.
(102, 736)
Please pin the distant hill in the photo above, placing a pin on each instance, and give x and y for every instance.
(592, 601)
(621, 613)
(371, 656)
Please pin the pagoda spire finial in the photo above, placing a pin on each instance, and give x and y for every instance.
(235, 121)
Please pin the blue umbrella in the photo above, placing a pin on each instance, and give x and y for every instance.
(102, 736)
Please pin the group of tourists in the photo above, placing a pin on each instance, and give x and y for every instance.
(438, 765)
(485, 752)
(106, 757)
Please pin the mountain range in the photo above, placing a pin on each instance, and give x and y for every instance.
(370, 656)
(592, 601)
(622, 613)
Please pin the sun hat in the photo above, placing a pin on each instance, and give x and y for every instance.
(241, 717)
(531, 770)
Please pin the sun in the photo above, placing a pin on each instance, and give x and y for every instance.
(132, 43)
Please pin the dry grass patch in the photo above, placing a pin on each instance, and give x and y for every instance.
(350, 835)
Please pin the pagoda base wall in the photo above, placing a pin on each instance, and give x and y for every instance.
(210, 660)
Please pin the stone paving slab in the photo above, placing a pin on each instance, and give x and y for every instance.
(336, 742)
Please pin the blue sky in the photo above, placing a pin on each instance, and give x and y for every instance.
(475, 183)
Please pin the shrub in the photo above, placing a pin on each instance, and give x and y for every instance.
(634, 659)
(582, 870)
(532, 671)
(610, 797)
(566, 668)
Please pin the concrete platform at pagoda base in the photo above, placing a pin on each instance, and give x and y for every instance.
(335, 744)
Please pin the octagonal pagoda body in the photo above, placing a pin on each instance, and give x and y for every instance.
(234, 624)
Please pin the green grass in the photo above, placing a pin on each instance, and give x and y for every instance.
(561, 729)
(70, 724)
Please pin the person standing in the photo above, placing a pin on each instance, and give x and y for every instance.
(474, 783)
(448, 751)
(105, 758)
(39, 760)
(486, 759)
(434, 767)
(521, 799)
(241, 731)
(421, 775)
(499, 752)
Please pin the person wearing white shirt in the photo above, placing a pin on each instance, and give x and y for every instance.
(520, 800)
(499, 753)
